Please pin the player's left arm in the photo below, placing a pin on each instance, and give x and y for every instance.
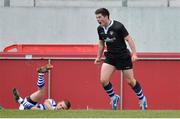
(132, 46)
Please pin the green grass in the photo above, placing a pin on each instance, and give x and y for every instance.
(90, 114)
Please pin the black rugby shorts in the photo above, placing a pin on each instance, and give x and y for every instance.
(121, 63)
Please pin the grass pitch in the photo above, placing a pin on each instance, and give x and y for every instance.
(90, 114)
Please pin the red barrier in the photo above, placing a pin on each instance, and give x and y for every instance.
(52, 48)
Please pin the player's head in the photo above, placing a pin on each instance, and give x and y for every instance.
(63, 105)
(102, 16)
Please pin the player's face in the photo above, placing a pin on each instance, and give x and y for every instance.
(61, 106)
(102, 20)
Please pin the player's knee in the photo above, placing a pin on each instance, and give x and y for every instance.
(104, 81)
(131, 82)
(42, 92)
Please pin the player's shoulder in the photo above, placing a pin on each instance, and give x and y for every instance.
(118, 24)
(99, 28)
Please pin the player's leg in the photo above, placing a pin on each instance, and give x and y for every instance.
(30, 101)
(106, 72)
(129, 77)
(24, 104)
(36, 96)
(16, 96)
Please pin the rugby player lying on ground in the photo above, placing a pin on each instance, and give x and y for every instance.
(31, 102)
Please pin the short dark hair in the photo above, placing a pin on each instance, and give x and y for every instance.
(68, 104)
(102, 11)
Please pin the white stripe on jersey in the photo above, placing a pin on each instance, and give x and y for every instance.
(53, 103)
(41, 106)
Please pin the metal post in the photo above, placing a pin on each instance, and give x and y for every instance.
(49, 80)
(124, 3)
(6, 3)
(121, 91)
(34, 3)
(168, 3)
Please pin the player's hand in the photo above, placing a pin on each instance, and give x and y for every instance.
(134, 57)
(97, 61)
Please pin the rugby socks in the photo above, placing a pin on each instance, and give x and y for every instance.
(40, 82)
(109, 90)
(24, 103)
(138, 90)
(20, 100)
(28, 103)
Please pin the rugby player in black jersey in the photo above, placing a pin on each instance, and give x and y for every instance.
(114, 35)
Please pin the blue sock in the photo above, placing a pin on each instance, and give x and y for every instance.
(109, 90)
(138, 90)
(40, 82)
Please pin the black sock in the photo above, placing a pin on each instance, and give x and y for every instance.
(109, 90)
(138, 90)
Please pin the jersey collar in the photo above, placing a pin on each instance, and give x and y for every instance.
(107, 28)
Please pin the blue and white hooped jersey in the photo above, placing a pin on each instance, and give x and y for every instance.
(43, 107)
(28, 105)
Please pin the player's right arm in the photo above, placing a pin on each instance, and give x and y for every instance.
(100, 52)
(35, 108)
(48, 104)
